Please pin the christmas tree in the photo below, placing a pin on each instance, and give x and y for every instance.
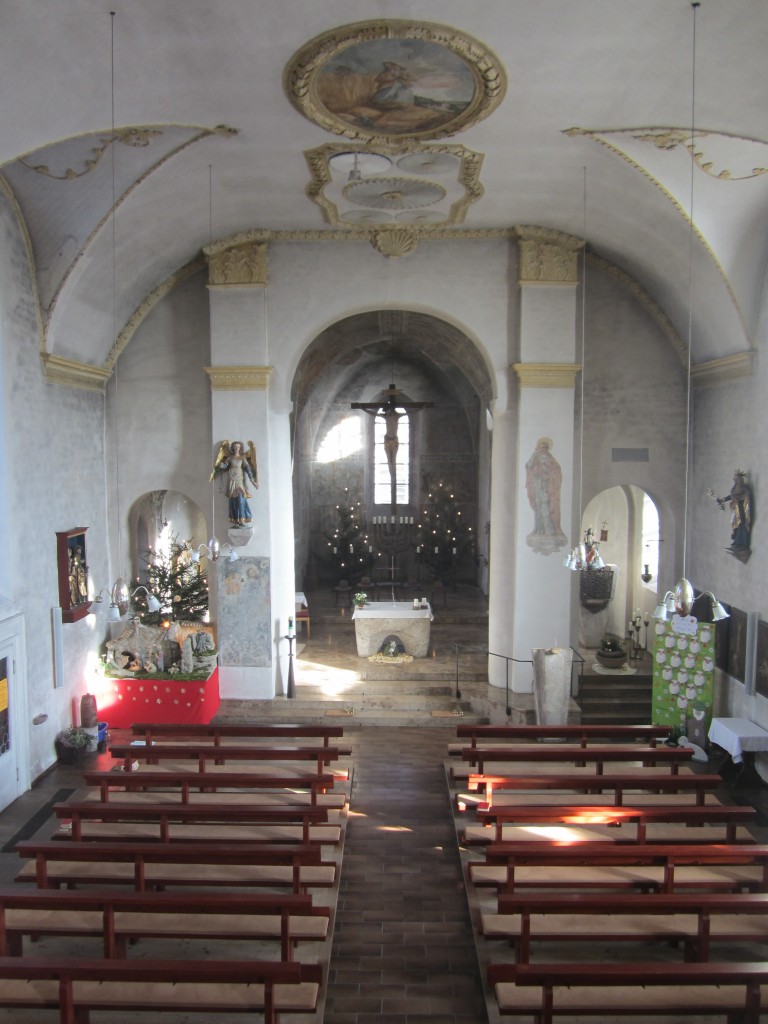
(444, 536)
(179, 584)
(347, 545)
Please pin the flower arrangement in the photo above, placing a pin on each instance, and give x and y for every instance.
(74, 737)
(360, 598)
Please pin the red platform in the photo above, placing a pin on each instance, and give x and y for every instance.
(160, 700)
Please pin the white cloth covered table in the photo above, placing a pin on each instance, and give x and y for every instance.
(374, 623)
(738, 736)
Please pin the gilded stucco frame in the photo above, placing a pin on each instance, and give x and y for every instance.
(303, 71)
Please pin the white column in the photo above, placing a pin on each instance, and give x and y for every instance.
(543, 488)
(241, 410)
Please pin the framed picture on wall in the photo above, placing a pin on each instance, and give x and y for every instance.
(737, 645)
(73, 574)
(761, 659)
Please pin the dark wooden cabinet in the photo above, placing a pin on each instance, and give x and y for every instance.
(72, 564)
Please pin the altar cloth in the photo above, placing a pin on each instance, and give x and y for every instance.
(374, 623)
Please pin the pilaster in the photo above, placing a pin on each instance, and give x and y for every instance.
(254, 594)
(532, 550)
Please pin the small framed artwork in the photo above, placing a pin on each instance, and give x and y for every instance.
(73, 574)
(761, 659)
(737, 645)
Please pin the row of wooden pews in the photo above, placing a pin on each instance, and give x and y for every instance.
(579, 857)
(215, 851)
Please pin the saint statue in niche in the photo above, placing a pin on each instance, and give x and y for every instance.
(740, 504)
(543, 480)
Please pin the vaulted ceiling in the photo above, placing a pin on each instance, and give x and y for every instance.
(575, 115)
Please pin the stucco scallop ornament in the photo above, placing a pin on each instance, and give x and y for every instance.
(394, 242)
(386, 82)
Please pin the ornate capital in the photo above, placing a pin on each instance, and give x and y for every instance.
(548, 257)
(70, 374)
(239, 266)
(547, 375)
(239, 378)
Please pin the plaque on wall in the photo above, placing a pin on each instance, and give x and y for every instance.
(761, 661)
(73, 574)
(737, 645)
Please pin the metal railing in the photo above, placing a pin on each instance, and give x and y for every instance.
(458, 648)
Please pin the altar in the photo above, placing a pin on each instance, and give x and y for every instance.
(374, 623)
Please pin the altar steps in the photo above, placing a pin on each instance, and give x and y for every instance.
(608, 700)
(351, 709)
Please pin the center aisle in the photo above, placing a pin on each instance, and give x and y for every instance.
(403, 946)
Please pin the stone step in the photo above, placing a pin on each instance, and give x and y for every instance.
(346, 713)
(376, 688)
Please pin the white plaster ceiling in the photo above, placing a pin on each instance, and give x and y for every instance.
(618, 71)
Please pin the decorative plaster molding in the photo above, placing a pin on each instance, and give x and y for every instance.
(239, 266)
(547, 375)
(722, 371)
(596, 136)
(71, 374)
(239, 378)
(468, 164)
(669, 138)
(305, 86)
(223, 130)
(548, 257)
(135, 136)
(394, 242)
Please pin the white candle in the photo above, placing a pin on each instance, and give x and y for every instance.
(436, 549)
(370, 550)
(393, 519)
(334, 551)
(351, 549)
(418, 549)
(454, 550)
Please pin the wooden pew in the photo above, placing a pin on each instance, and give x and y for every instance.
(216, 732)
(205, 753)
(695, 920)
(548, 992)
(295, 867)
(617, 783)
(648, 867)
(583, 735)
(185, 786)
(598, 756)
(494, 818)
(208, 987)
(117, 918)
(279, 824)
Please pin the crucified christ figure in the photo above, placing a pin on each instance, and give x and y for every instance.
(388, 409)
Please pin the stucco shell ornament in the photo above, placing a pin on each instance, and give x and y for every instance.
(387, 82)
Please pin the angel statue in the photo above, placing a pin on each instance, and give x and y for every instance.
(240, 467)
(740, 504)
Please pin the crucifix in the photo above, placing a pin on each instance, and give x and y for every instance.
(389, 410)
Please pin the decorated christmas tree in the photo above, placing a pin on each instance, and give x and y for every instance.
(347, 544)
(177, 582)
(444, 536)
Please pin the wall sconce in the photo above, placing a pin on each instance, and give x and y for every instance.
(212, 550)
(120, 598)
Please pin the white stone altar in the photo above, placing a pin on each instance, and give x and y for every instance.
(374, 623)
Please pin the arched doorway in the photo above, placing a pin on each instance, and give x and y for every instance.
(345, 523)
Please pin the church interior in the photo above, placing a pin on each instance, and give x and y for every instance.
(378, 357)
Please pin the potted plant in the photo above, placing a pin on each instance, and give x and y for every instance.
(610, 653)
(359, 598)
(72, 744)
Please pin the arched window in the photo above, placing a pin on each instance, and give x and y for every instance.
(650, 541)
(382, 491)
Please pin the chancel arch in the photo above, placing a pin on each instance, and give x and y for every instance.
(442, 392)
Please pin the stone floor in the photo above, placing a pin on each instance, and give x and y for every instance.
(403, 949)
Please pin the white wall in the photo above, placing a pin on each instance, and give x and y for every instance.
(54, 481)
